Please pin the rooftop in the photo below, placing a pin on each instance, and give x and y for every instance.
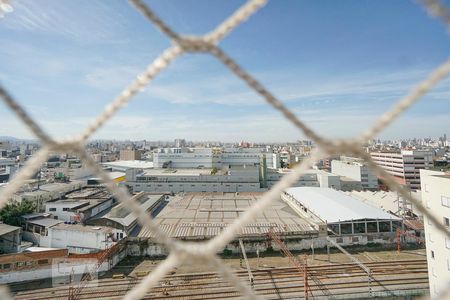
(111, 175)
(178, 172)
(203, 215)
(123, 215)
(5, 228)
(89, 193)
(130, 164)
(384, 200)
(67, 203)
(334, 206)
(45, 222)
(83, 228)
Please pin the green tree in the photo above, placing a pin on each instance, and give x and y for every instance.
(10, 214)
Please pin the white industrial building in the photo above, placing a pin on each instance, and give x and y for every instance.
(312, 178)
(355, 169)
(405, 165)
(389, 201)
(44, 231)
(7, 169)
(233, 179)
(209, 158)
(346, 217)
(80, 205)
(122, 218)
(123, 165)
(80, 238)
(435, 188)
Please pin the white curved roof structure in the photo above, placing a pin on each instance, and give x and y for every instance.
(333, 206)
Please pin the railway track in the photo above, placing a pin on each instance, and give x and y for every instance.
(343, 280)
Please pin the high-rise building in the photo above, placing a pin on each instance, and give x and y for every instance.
(180, 143)
(130, 154)
(436, 198)
(405, 165)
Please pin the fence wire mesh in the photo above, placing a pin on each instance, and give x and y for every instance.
(205, 252)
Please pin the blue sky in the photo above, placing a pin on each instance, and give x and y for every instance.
(337, 64)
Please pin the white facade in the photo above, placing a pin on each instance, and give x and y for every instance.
(236, 179)
(64, 210)
(81, 239)
(311, 178)
(405, 166)
(180, 158)
(355, 169)
(436, 198)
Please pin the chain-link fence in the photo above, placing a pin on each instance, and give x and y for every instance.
(205, 252)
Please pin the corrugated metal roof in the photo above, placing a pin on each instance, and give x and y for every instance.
(45, 222)
(334, 206)
(5, 228)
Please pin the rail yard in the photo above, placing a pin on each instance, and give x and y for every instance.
(391, 276)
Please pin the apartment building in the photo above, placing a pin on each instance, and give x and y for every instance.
(130, 154)
(356, 169)
(436, 198)
(405, 165)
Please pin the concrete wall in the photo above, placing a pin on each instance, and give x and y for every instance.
(436, 198)
(82, 241)
(10, 242)
(60, 268)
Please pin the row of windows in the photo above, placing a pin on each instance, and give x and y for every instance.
(447, 243)
(54, 209)
(21, 264)
(360, 227)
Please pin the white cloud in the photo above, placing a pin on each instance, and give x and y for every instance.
(80, 20)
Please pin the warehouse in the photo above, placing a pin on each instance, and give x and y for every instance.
(201, 216)
(343, 214)
(120, 216)
(230, 179)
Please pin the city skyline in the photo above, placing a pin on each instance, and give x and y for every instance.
(337, 67)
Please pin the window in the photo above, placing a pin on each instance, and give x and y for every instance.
(445, 201)
(52, 209)
(372, 227)
(42, 261)
(6, 266)
(432, 254)
(66, 209)
(447, 222)
(385, 226)
(346, 229)
(334, 228)
(20, 264)
(359, 227)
